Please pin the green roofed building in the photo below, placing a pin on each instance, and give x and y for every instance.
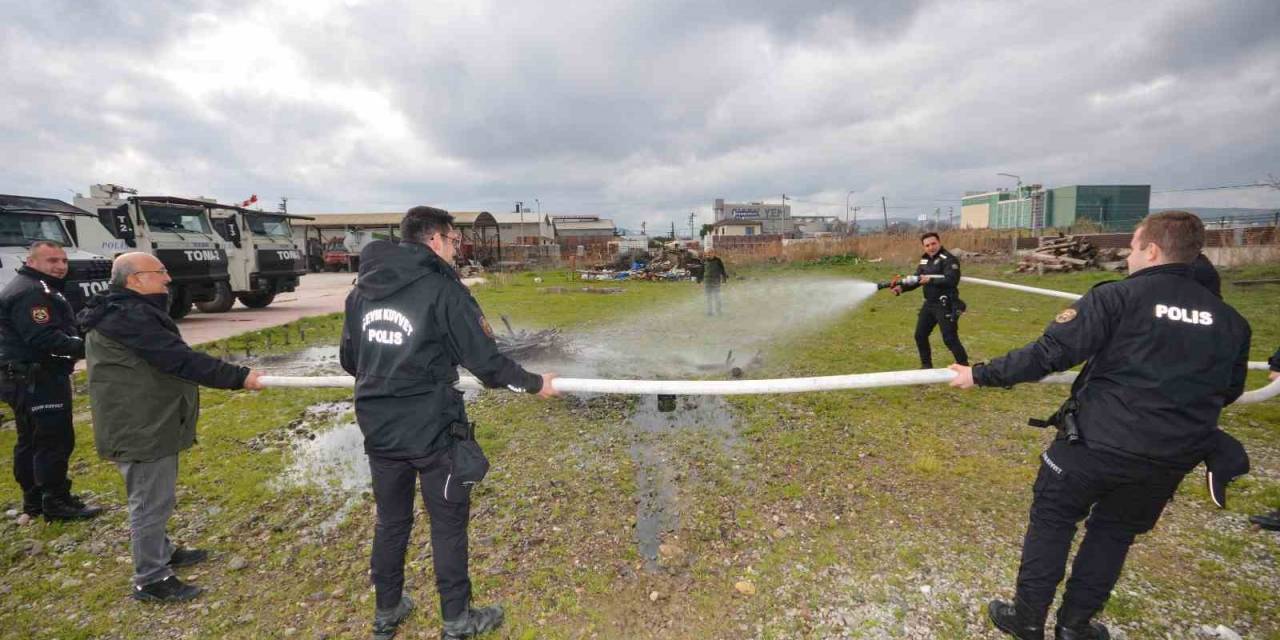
(1109, 207)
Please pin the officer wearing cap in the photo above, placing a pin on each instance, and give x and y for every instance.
(39, 346)
(1163, 357)
(942, 306)
(410, 322)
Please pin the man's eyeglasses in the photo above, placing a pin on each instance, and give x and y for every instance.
(454, 238)
(137, 273)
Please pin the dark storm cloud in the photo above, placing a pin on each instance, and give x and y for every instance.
(641, 111)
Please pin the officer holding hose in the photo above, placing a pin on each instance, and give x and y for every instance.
(410, 322)
(1163, 357)
(939, 274)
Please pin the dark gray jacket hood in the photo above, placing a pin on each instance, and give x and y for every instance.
(387, 267)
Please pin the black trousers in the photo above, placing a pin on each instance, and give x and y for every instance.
(934, 314)
(46, 438)
(1120, 496)
(393, 492)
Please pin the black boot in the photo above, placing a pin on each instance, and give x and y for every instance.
(1076, 626)
(1008, 618)
(170, 589)
(61, 507)
(184, 557)
(472, 622)
(386, 621)
(33, 502)
(1093, 630)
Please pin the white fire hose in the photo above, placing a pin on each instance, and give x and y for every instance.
(775, 385)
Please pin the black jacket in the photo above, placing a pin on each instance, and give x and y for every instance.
(1203, 272)
(1164, 356)
(142, 324)
(1274, 362)
(409, 323)
(713, 272)
(941, 264)
(37, 325)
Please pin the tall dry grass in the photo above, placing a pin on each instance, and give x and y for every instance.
(892, 248)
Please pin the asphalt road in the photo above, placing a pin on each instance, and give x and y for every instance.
(317, 294)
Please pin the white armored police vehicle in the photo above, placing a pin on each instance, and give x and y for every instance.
(24, 220)
(177, 231)
(263, 257)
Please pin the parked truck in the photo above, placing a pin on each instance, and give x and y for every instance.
(177, 231)
(342, 253)
(24, 220)
(262, 256)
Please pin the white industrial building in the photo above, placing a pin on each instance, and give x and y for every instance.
(526, 227)
(774, 219)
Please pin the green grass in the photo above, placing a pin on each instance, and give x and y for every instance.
(839, 507)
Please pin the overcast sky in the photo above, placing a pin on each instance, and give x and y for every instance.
(643, 110)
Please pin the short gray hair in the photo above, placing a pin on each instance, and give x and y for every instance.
(45, 243)
(121, 270)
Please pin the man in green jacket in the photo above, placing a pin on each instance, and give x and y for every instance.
(144, 390)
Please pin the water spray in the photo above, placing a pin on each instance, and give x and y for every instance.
(775, 385)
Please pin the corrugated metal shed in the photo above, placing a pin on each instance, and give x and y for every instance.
(588, 225)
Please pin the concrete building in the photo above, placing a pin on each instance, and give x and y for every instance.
(737, 228)
(583, 235)
(583, 227)
(817, 226)
(775, 219)
(1108, 207)
(526, 227)
(479, 230)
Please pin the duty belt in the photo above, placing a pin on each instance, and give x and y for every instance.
(1064, 419)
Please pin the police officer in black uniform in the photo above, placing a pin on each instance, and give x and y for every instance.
(410, 322)
(1164, 356)
(1271, 520)
(39, 346)
(942, 306)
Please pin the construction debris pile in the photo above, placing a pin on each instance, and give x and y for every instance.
(670, 264)
(524, 343)
(1070, 253)
(470, 270)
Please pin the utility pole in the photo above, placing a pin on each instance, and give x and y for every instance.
(846, 211)
(642, 232)
(673, 230)
(854, 228)
(951, 217)
(885, 208)
(692, 216)
(284, 204)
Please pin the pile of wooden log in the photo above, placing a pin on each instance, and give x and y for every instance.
(1070, 253)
